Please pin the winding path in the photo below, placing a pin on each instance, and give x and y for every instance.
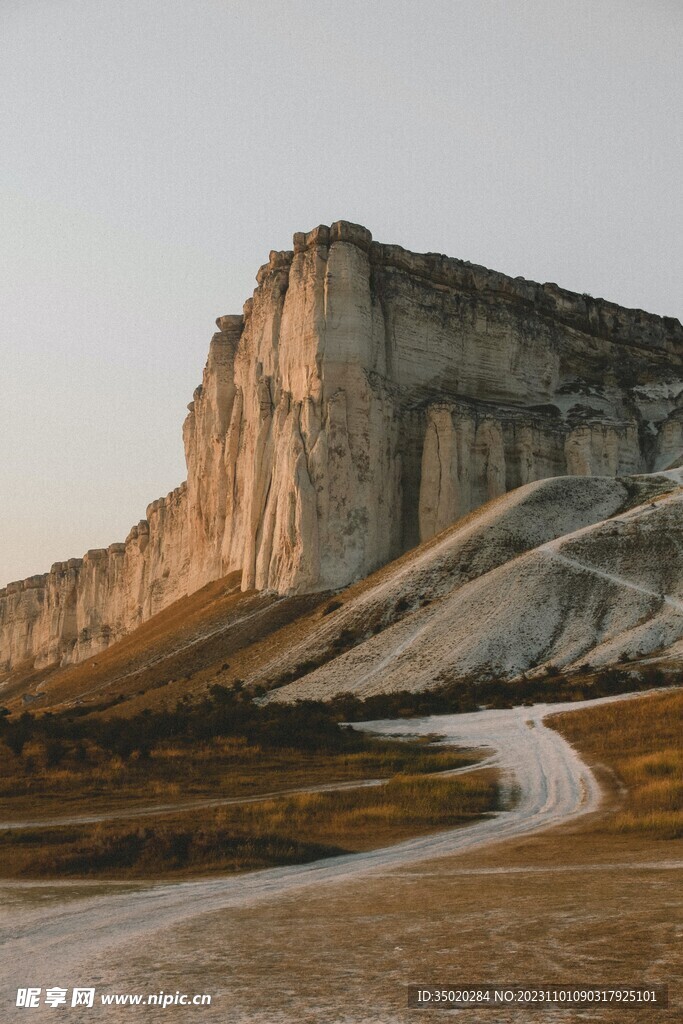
(67, 922)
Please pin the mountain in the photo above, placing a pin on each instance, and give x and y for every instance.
(365, 399)
(571, 575)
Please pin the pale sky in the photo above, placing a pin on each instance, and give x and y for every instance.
(152, 152)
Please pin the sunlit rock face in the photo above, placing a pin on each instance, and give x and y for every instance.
(365, 399)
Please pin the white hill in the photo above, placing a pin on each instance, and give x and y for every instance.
(561, 572)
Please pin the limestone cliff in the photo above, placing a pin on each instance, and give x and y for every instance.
(366, 398)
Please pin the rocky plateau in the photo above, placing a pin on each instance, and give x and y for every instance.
(365, 399)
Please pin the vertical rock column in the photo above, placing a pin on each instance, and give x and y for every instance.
(310, 492)
(204, 434)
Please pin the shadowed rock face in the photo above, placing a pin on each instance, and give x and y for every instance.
(366, 398)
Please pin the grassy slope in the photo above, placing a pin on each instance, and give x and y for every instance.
(216, 635)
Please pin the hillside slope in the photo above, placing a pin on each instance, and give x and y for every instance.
(561, 572)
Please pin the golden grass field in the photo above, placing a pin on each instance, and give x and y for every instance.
(282, 830)
(223, 767)
(641, 742)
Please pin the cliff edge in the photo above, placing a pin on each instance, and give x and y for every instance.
(365, 399)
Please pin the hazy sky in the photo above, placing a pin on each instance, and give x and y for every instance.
(152, 152)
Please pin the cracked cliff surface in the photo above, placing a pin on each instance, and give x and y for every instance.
(365, 399)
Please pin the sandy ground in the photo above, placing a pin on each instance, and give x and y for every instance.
(340, 940)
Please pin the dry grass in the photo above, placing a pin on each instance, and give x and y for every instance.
(217, 634)
(641, 741)
(256, 835)
(223, 767)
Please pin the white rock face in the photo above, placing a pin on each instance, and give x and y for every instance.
(365, 399)
(83, 605)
